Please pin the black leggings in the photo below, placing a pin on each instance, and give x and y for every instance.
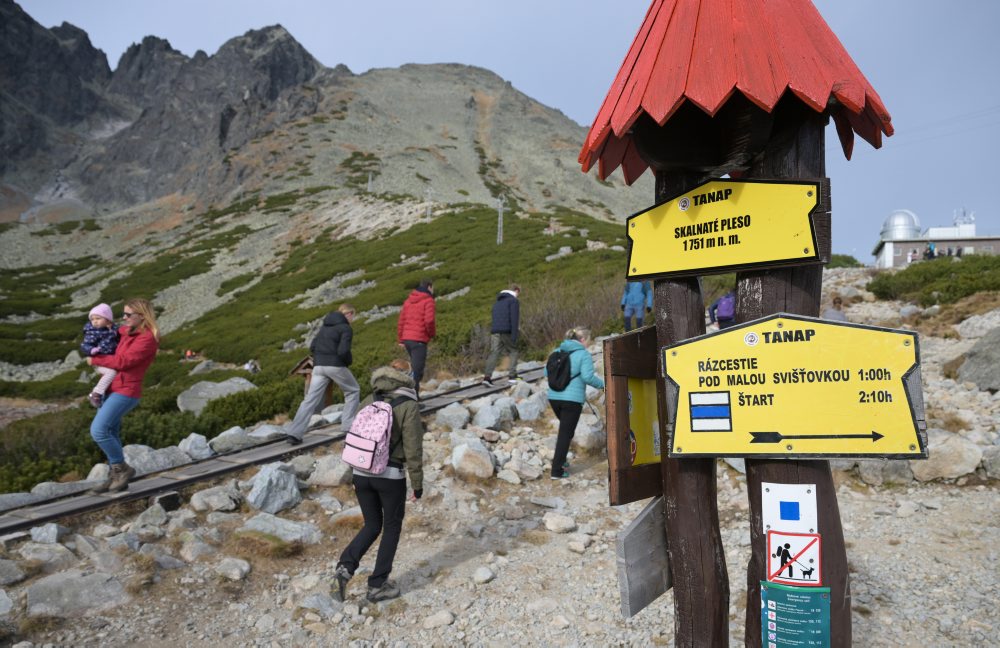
(383, 503)
(418, 358)
(568, 413)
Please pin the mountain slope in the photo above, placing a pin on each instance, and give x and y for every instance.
(262, 116)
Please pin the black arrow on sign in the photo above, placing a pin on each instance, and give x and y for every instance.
(777, 437)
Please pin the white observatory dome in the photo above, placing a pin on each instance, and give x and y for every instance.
(901, 224)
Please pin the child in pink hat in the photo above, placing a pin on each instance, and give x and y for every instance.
(100, 337)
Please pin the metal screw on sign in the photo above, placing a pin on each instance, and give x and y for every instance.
(805, 250)
(809, 491)
(913, 447)
(632, 224)
(809, 193)
(780, 325)
(906, 343)
(680, 449)
(788, 447)
(673, 353)
(633, 269)
(767, 490)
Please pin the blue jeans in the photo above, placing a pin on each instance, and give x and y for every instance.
(629, 312)
(106, 428)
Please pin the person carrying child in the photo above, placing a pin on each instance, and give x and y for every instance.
(100, 337)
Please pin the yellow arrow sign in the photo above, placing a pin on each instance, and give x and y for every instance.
(793, 386)
(724, 224)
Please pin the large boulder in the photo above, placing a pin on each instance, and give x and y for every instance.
(991, 462)
(488, 417)
(455, 416)
(197, 396)
(287, 530)
(146, 460)
(330, 470)
(589, 435)
(472, 460)
(982, 363)
(217, 498)
(48, 557)
(275, 488)
(195, 446)
(533, 407)
(10, 573)
(949, 456)
(885, 471)
(73, 594)
(232, 440)
(61, 489)
(266, 432)
(9, 501)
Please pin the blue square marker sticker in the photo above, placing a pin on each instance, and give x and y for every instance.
(788, 510)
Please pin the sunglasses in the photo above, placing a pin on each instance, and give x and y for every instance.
(128, 315)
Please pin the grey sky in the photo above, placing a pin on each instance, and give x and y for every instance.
(933, 63)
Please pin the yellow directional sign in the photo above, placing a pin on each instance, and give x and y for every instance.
(722, 225)
(793, 386)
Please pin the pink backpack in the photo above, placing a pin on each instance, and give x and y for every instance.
(367, 444)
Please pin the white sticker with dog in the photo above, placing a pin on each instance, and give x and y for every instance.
(794, 558)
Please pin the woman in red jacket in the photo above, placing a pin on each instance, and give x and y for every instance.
(417, 326)
(140, 338)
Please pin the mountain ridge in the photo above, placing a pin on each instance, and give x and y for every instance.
(262, 115)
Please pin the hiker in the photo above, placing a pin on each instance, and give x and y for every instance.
(636, 295)
(331, 351)
(382, 497)
(835, 312)
(723, 310)
(100, 337)
(138, 342)
(506, 317)
(567, 404)
(416, 327)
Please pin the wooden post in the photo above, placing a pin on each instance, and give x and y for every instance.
(697, 559)
(794, 290)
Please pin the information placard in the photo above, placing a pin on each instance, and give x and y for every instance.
(792, 386)
(723, 225)
(793, 617)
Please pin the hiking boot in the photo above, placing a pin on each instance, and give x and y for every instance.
(121, 473)
(388, 590)
(562, 474)
(341, 576)
(487, 381)
(293, 440)
(96, 399)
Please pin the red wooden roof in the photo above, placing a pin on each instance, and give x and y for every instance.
(702, 51)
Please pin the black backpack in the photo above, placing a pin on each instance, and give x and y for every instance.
(557, 369)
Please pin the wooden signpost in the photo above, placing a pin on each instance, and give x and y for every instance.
(744, 88)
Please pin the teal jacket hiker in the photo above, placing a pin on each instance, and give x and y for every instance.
(582, 370)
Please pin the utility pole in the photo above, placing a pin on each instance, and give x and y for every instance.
(501, 204)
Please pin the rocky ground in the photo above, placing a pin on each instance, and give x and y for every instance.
(497, 554)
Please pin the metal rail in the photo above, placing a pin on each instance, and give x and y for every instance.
(178, 477)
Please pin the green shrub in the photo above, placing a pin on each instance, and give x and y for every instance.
(843, 261)
(943, 280)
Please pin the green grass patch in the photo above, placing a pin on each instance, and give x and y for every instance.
(944, 280)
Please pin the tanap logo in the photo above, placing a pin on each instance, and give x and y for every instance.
(684, 203)
(751, 339)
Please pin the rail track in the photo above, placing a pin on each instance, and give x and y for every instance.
(152, 484)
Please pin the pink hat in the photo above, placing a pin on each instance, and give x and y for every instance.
(102, 310)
